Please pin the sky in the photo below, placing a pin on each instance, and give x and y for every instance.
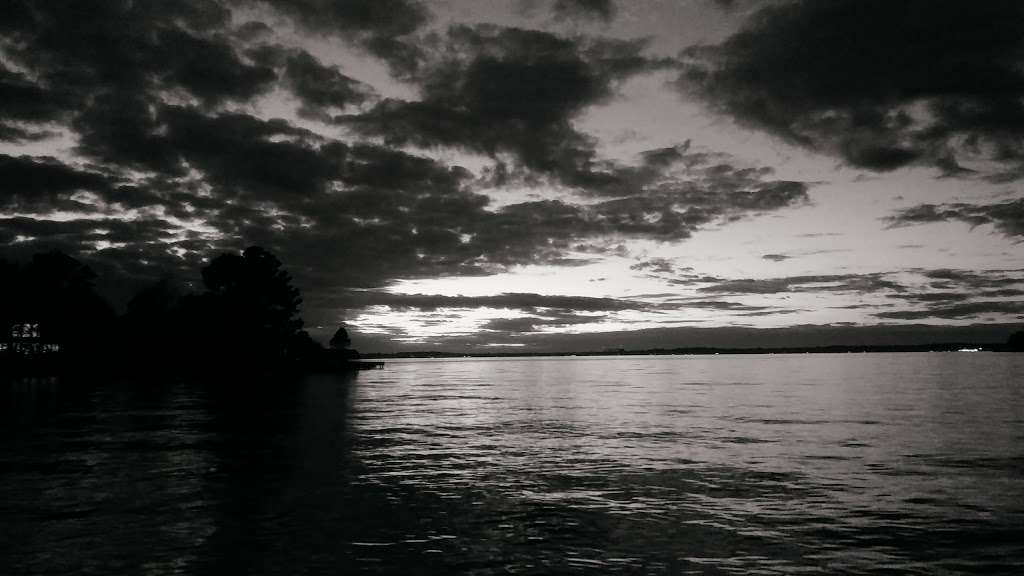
(471, 175)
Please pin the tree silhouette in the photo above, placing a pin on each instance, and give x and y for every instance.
(1016, 341)
(340, 340)
(56, 292)
(151, 326)
(249, 310)
(246, 319)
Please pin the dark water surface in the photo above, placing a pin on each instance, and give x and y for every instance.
(835, 464)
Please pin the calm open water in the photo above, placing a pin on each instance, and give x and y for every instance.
(835, 464)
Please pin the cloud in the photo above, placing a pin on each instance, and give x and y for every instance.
(1006, 217)
(957, 294)
(382, 27)
(862, 283)
(958, 311)
(881, 84)
(498, 90)
(655, 266)
(596, 9)
(78, 51)
(249, 180)
(516, 326)
(724, 305)
(91, 64)
(210, 68)
(170, 162)
(972, 280)
(944, 293)
(322, 88)
(22, 100)
(943, 297)
(44, 183)
(244, 154)
(519, 314)
(513, 300)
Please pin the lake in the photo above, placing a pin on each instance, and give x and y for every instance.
(767, 464)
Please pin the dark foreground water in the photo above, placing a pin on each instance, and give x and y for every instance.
(835, 464)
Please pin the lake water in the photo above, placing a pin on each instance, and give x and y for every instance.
(782, 464)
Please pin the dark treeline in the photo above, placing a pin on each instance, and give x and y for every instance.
(246, 318)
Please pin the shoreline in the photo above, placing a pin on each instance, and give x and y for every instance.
(709, 351)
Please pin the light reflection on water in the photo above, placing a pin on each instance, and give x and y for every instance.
(858, 463)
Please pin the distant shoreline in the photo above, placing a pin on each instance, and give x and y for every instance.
(895, 348)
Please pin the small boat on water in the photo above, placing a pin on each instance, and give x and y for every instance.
(969, 350)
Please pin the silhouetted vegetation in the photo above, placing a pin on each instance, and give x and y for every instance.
(340, 340)
(52, 300)
(340, 343)
(245, 319)
(1015, 342)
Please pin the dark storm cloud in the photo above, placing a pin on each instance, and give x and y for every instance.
(239, 152)
(655, 265)
(77, 50)
(405, 216)
(597, 9)
(958, 311)
(671, 206)
(355, 17)
(94, 61)
(515, 326)
(158, 98)
(1006, 217)
(86, 231)
(210, 69)
(957, 294)
(382, 27)
(236, 152)
(880, 83)
(520, 301)
(972, 280)
(22, 99)
(724, 306)
(538, 310)
(944, 297)
(322, 88)
(949, 297)
(16, 134)
(121, 129)
(43, 183)
(772, 312)
(508, 90)
(865, 283)
(673, 210)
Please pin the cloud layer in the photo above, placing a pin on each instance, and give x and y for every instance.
(161, 101)
(367, 142)
(1006, 217)
(879, 83)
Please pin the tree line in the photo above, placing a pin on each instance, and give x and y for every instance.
(246, 317)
